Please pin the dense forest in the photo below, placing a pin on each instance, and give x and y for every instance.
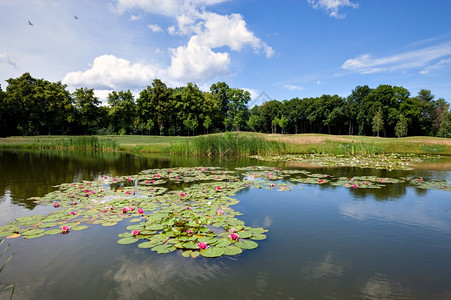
(31, 106)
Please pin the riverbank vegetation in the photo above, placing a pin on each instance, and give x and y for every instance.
(214, 144)
(31, 107)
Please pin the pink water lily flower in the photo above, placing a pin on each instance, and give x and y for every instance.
(131, 208)
(112, 207)
(234, 236)
(189, 231)
(320, 181)
(65, 229)
(220, 212)
(114, 179)
(182, 194)
(187, 208)
(129, 179)
(135, 232)
(127, 192)
(56, 205)
(218, 188)
(202, 245)
(140, 211)
(147, 181)
(354, 186)
(72, 213)
(104, 210)
(176, 178)
(124, 210)
(105, 177)
(348, 185)
(92, 192)
(232, 230)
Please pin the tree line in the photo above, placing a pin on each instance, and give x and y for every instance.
(31, 106)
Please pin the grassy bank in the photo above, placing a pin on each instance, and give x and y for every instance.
(295, 144)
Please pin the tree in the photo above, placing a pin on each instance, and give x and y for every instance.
(253, 122)
(283, 122)
(274, 124)
(401, 126)
(87, 108)
(445, 125)
(122, 111)
(378, 122)
(190, 124)
(207, 123)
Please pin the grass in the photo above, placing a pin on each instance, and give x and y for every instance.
(13, 286)
(228, 145)
(295, 143)
(90, 143)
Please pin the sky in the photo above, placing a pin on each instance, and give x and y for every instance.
(274, 49)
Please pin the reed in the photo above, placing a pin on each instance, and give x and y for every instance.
(228, 145)
(13, 286)
(87, 143)
(345, 148)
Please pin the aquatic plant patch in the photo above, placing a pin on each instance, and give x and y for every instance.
(377, 161)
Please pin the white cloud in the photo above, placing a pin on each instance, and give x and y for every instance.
(135, 17)
(110, 72)
(332, 7)
(154, 28)
(318, 82)
(171, 30)
(196, 62)
(366, 64)
(172, 8)
(440, 65)
(293, 87)
(6, 59)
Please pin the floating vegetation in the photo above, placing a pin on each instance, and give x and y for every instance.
(376, 161)
(188, 210)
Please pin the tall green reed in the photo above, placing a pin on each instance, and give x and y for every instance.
(13, 286)
(91, 143)
(346, 148)
(227, 145)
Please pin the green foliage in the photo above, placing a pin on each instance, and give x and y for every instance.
(445, 125)
(228, 144)
(3, 264)
(31, 106)
(91, 143)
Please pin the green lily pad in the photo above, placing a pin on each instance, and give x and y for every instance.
(53, 231)
(129, 240)
(212, 252)
(246, 244)
(79, 227)
(232, 250)
(161, 249)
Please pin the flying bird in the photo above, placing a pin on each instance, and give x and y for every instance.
(29, 23)
(75, 17)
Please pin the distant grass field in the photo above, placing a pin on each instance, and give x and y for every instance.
(295, 143)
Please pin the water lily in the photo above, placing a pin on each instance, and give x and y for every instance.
(140, 211)
(202, 245)
(124, 210)
(129, 179)
(92, 192)
(234, 236)
(232, 230)
(136, 232)
(320, 181)
(189, 231)
(114, 179)
(127, 192)
(105, 177)
(72, 213)
(176, 178)
(131, 208)
(56, 205)
(182, 194)
(218, 188)
(220, 212)
(348, 185)
(112, 207)
(420, 179)
(147, 181)
(187, 208)
(104, 210)
(153, 180)
(354, 186)
(65, 229)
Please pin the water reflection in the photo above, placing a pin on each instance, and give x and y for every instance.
(328, 267)
(434, 215)
(380, 287)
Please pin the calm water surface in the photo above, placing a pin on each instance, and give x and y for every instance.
(323, 242)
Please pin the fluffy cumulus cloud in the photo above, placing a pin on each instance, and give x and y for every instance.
(427, 59)
(110, 72)
(198, 60)
(332, 7)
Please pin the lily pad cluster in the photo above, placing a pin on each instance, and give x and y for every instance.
(197, 220)
(379, 161)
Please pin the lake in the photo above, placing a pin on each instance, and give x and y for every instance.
(323, 241)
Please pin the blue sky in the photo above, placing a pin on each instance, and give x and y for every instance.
(285, 48)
